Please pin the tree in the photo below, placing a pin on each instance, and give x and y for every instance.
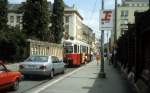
(36, 19)
(3, 14)
(57, 21)
(12, 44)
(12, 41)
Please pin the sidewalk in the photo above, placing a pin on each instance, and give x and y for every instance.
(86, 81)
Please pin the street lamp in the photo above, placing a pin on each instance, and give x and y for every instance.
(102, 73)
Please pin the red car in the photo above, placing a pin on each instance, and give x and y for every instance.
(9, 79)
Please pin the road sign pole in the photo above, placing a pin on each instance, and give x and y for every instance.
(102, 73)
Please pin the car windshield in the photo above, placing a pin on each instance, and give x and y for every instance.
(2, 68)
(37, 59)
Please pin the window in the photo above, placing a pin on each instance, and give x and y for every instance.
(130, 5)
(87, 49)
(37, 59)
(135, 5)
(75, 49)
(55, 59)
(67, 19)
(18, 19)
(84, 49)
(2, 68)
(78, 49)
(124, 13)
(67, 28)
(146, 5)
(140, 4)
(12, 19)
(68, 49)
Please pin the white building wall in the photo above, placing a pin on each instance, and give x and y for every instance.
(73, 24)
(78, 27)
(12, 20)
(131, 8)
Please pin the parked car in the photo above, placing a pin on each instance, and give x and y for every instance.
(42, 65)
(9, 79)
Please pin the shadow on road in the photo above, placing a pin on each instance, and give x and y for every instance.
(35, 78)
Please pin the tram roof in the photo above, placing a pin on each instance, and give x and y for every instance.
(76, 42)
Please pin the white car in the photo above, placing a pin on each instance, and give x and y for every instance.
(42, 65)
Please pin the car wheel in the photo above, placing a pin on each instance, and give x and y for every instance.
(52, 74)
(26, 77)
(63, 72)
(16, 85)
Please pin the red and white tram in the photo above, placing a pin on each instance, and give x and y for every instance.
(76, 52)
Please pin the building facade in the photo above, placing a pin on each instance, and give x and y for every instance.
(14, 15)
(73, 22)
(125, 13)
(75, 28)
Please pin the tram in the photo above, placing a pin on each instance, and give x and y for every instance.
(76, 52)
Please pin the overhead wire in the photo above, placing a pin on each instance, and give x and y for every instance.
(93, 10)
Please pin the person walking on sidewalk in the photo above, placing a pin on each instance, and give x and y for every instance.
(97, 58)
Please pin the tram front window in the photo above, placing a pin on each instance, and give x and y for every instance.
(68, 49)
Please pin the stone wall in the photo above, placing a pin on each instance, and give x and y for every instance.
(44, 48)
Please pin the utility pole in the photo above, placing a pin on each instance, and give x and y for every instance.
(102, 73)
(115, 36)
(108, 47)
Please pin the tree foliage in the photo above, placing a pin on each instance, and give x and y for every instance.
(57, 21)
(12, 43)
(36, 19)
(3, 14)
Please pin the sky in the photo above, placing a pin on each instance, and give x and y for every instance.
(89, 10)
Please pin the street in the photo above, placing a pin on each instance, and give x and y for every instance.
(83, 79)
(28, 84)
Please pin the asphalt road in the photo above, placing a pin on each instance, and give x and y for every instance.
(28, 84)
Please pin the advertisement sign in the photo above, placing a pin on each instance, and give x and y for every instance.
(106, 19)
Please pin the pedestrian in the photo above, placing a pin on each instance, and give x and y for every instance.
(84, 58)
(91, 56)
(110, 57)
(97, 58)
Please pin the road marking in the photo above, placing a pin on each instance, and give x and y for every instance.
(55, 81)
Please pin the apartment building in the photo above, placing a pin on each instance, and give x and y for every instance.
(15, 15)
(125, 13)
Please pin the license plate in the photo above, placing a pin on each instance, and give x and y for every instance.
(31, 67)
